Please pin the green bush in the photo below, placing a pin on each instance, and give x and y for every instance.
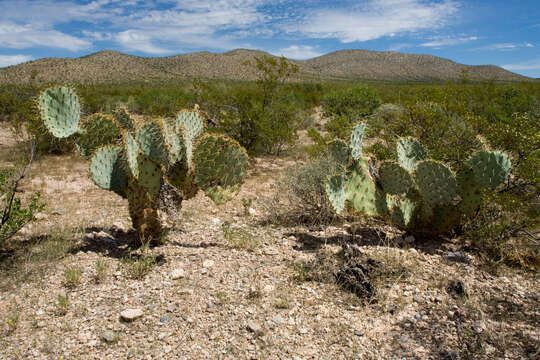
(354, 102)
(15, 213)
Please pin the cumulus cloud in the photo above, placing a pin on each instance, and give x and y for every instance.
(7, 60)
(377, 19)
(25, 36)
(299, 52)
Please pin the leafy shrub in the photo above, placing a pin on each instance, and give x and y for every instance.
(354, 102)
(15, 215)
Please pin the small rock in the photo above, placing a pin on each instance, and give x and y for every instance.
(303, 331)
(208, 263)
(216, 221)
(171, 308)
(252, 211)
(131, 314)
(254, 328)
(177, 274)
(277, 319)
(40, 216)
(268, 288)
(409, 239)
(41, 324)
(58, 212)
(165, 319)
(457, 256)
(109, 336)
(358, 333)
(417, 299)
(404, 339)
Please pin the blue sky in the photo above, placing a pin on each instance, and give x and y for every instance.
(505, 33)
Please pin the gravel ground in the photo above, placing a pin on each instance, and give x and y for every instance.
(226, 287)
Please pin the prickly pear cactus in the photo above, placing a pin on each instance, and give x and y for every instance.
(416, 194)
(136, 160)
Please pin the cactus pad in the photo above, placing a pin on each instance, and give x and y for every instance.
(490, 168)
(403, 211)
(394, 179)
(152, 143)
(150, 175)
(132, 153)
(60, 111)
(362, 193)
(95, 131)
(357, 136)
(336, 192)
(339, 152)
(173, 140)
(436, 182)
(219, 161)
(106, 169)
(121, 115)
(469, 191)
(410, 152)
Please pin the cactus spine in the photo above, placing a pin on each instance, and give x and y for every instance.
(137, 160)
(416, 194)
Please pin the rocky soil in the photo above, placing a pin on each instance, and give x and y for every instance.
(229, 285)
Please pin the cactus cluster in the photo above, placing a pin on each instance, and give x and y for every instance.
(417, 194)
(138, 160)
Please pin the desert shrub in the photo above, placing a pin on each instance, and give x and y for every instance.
(300, 195)
(357, 101)
(16, 213)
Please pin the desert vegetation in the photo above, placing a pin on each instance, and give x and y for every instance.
(370, 220)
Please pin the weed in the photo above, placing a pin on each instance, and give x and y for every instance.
(72, 276)
(301, 273)
(101, 270)
(239, 238)
(138, 266)
(282, 303)
(222, 296)
(13, 321)
(62, 304)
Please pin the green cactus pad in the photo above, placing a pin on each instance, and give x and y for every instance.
(410, 152)
(339, 152)
(219, 161)
(490, 168)
(403, 211)
(121, 115)
(106, 169)
(361, 191)
(436, 182)
(469, 191)
(60, 111)
(192, 122)
(394, 179)
(357, 137)
(173, 140)
(152, 143)
(150, 175)
(132, 153)
(335, 190)
(95, 131)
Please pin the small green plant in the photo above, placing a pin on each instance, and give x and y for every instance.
(101, 270)
(13, 322)
(222, 296)
(138, 266)
(14, 215)
(154, 165)
(282, 303)
(417, 194)
(246, 204)
(72, 276)
(239, 238)
(62, 304)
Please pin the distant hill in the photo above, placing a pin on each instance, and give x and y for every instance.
(111, 66)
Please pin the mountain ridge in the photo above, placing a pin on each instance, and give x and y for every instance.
(112, 66)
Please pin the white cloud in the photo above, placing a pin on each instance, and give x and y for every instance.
(299, 52)
(398, 46)
(25, 36)
(505, 46)
(448, 41)
(138, 41)
(7, 60)
(377, 19)
(526, 65)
